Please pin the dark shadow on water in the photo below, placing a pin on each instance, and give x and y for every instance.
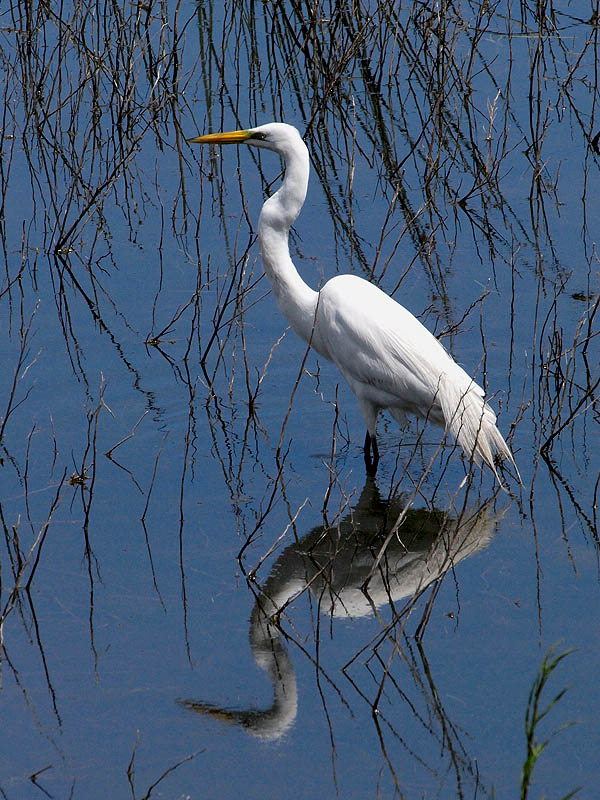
(335, 565)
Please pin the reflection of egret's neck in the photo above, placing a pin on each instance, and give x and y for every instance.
(269, 653)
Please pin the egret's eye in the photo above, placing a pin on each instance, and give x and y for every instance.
(259, 135)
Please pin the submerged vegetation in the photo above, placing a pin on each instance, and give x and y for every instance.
(154, 414)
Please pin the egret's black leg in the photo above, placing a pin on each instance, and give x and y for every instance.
(371, 454)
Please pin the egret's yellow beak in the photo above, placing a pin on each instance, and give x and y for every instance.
(232, 137)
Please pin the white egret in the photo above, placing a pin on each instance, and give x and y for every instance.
(389, 359)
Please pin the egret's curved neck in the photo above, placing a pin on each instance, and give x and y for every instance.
(296, 300)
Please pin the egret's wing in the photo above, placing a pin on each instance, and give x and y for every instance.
(391, 360)
(376, 342)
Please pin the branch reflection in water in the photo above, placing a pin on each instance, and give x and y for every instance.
(336, 565)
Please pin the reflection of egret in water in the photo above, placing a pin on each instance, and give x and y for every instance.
(335, 564)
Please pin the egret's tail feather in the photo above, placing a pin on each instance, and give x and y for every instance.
(473, 424)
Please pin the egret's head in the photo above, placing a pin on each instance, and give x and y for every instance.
(276, 136)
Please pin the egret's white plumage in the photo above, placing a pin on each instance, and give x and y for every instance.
(389, 359)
